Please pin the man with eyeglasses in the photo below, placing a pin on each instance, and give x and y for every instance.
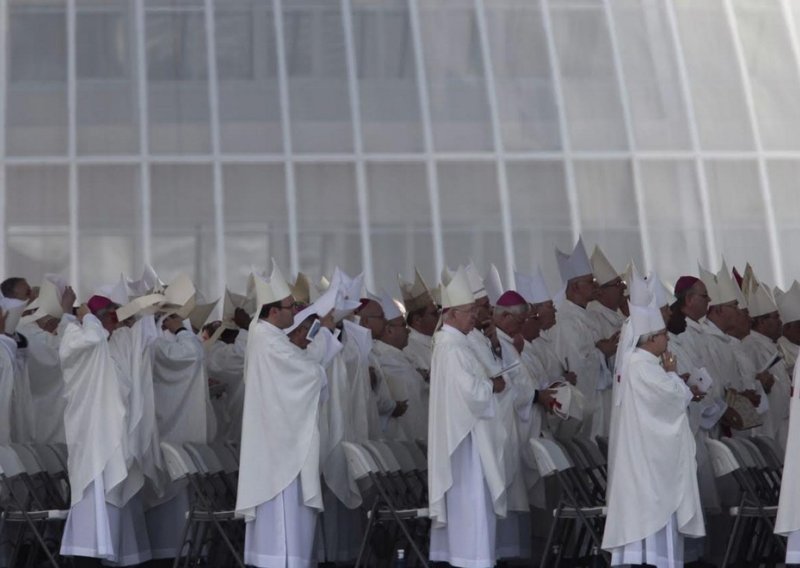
(381, 407)
(609, 296)
(466, 476)
(422, 316)
(279, 493)
(577, 341)
(406, 385)
(761, 349)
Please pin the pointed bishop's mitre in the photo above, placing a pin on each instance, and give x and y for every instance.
(475, 280)
(494, 285)
(573, 265)
(601, 267)
(458, 291)
(273, 290)
(789, 304)
(301, 289)
(533, 287)
(760, 302)
(416, 295)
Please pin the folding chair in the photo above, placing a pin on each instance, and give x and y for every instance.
(361, 465)
(57, 477)
(22, 507)
(573, 506)
(602, 444)
(181, 465)
(770, 450)
(389, 471)
(415, 488)
(751, 509)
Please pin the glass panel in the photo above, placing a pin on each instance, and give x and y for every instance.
(652, 81)
(109, 224)
(317, 69)
(386, 76)
(400, 224)
(471, 220)
(36, 113)
(182, 221)
(714, 79)
(737, 210)
(591, 98)
(525, 97)
(540, 216)
(256, 220)
(328, 220)
(774, 80)
(675, 218)
(247, 67)
(608, 210)
(37, 221)
(107, 99)
(177, 77)
(457, 92)
(783, 176)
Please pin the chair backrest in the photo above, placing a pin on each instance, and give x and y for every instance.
(754, 453)
(380, 457)
(770, 450)
(602, 444)
(549, 456)
(228, 459)
(740, 451)
(419, 456)
(10, 464)
(722, 459)
(407, 463)
(179, 464)
(28, 458)
(49, 460)
(204, 458)
(359, 462)
(591, 451)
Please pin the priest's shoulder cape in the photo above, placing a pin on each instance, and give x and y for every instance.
(653, 466)
(280, 430)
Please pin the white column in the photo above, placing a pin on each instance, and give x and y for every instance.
(358, 144)
(144, 129)
(566, 141)
(72, 115)
(219, 188)
(497, 139)
(763, 176)
(694, 134)
(638, 190)
(4, 45)
(431, 174)
(286, 131)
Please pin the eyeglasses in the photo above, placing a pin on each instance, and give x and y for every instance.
(398, 325)
(614, 284)
(289, 307)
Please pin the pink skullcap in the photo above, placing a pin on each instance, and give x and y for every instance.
(737, 277)
(363, 303)
(684, 283)
(97, 303)
(510, 299)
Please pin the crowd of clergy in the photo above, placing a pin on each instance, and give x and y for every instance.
(471, 369)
